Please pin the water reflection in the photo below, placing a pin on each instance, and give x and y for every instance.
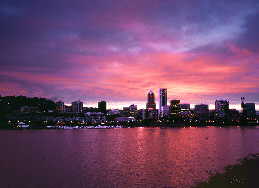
(139, 157)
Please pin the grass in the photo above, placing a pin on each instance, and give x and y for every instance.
(242, 175)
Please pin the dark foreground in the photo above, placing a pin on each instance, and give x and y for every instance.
(243, 175)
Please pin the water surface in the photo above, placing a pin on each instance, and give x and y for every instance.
(130, 157)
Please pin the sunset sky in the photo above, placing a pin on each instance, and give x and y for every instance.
(116, 50)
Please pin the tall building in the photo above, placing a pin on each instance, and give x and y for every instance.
(77, 107)
(249, 111)
(60, 106)
(221, 108)
(162, 98)
(151, 104)
(163, 107)
(102, 105)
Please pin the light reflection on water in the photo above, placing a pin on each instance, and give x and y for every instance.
(137, 157)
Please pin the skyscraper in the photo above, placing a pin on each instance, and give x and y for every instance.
(151, 104)
(162, 98)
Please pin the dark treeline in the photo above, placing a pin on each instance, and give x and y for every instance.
(13, 105)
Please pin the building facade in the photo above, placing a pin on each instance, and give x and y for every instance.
(102, 106)
(202, 111)
(185, 107)
(163, 102)
(151, 104)
(174, 107)
(162, 98)
(77, 107)
(221, 109)
(60, 106)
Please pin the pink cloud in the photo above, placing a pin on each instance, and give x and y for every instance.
(130, 77)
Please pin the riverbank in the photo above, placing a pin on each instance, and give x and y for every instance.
(109, 126)
(242, 175)
(26, 127)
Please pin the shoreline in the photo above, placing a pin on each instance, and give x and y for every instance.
(119, 127)
(241, 175)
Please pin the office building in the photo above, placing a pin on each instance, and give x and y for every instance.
(150, 114)
(151, 104)
(163, 107)
(60, 106)
(202, 111)
(164, 111)
(77, 107)
(221, 109)
(133, 108)
(185, 107)
(174, 107)
(102, 106)
(162, 98)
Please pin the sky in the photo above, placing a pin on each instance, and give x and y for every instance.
(117, 50)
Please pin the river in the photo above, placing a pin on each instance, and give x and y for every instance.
(123, 157)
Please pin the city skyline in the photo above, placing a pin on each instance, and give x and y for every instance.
(117, 50)
(162, 92)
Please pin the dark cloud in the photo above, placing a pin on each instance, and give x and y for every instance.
(61, 39)
(250, 38)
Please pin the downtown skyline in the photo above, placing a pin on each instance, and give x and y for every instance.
(117, 50)
(158, 99)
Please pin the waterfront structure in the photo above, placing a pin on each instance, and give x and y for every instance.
(150, 114)
(102, 105)
(248, 109)
(221, 109)
(151, 104)
(113, 112)
(125, 109)
(95, 117)
(133, 110)
(29, 109)
(68, 109)
(60, 106)
(174, 107)
(234, 115)
(164, 111)
(125, 119)
(185, 107)
(133, 107)
(77, 106)
(202, 111)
